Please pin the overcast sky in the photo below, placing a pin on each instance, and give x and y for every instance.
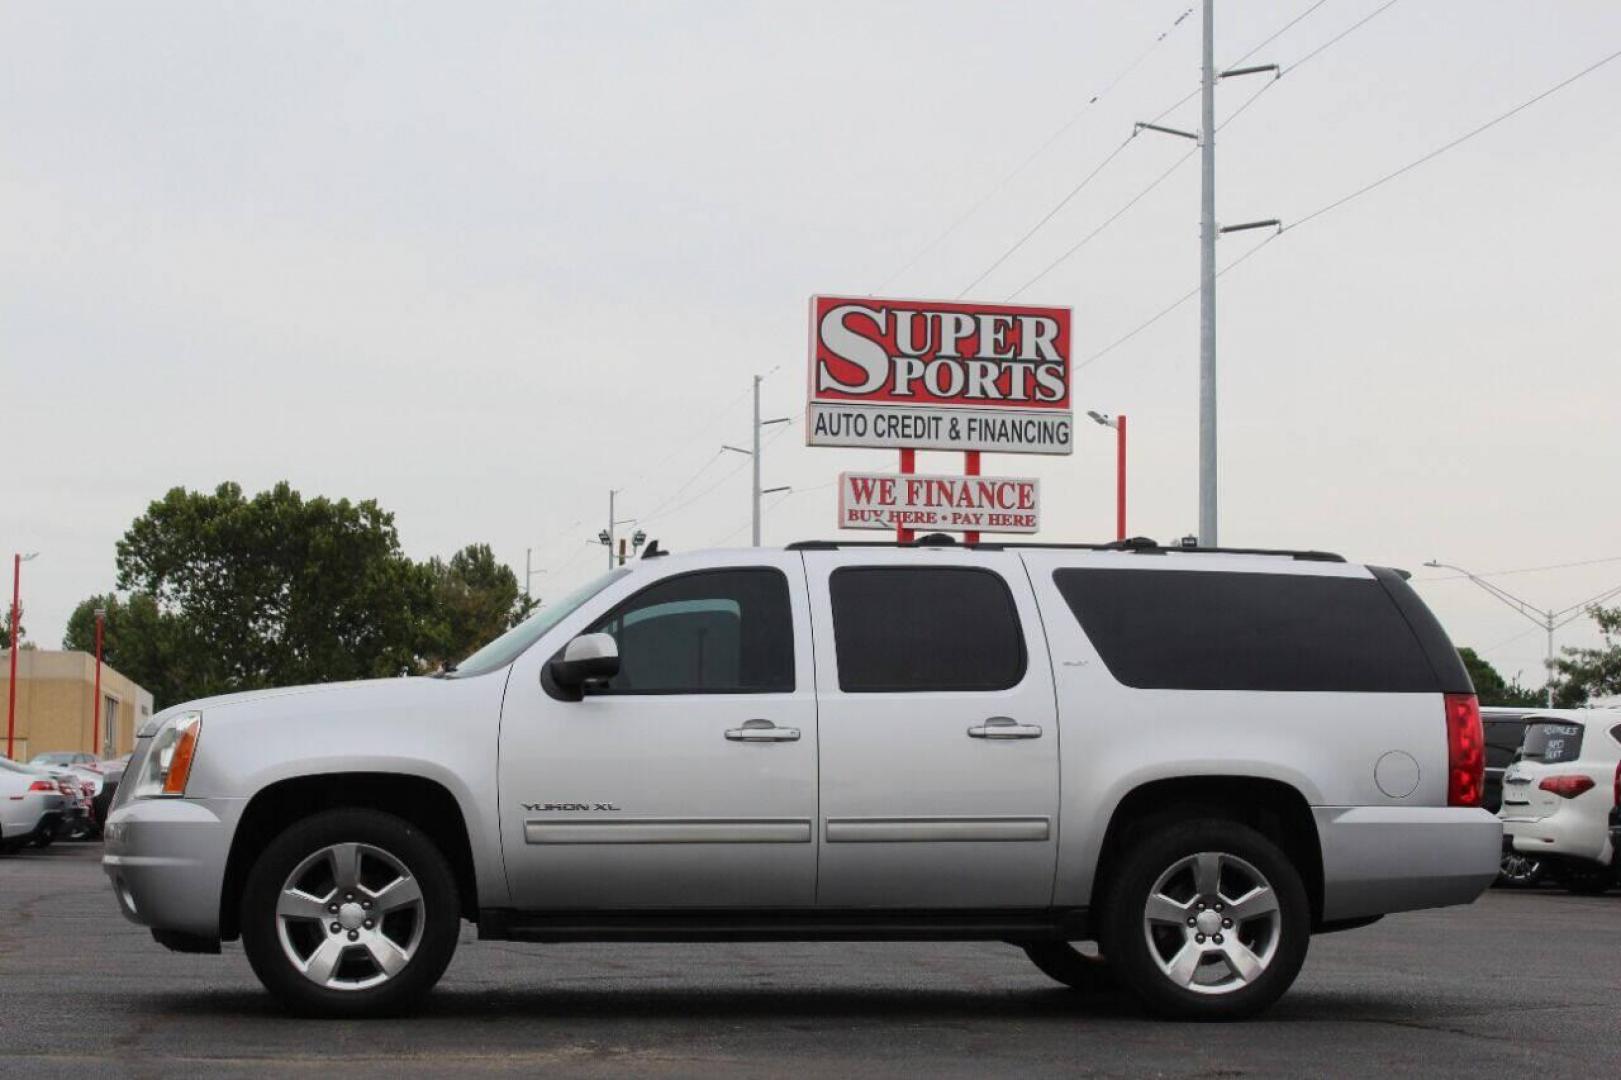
(483, 262)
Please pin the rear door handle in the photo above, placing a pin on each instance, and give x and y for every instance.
(1004, 727)
(762, 731)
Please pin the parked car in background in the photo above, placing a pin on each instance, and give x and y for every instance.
(62, 759)
(1559, 793)
(31, 806)
(1197, 758)
(1504, 728)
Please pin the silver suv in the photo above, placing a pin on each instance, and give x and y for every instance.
(1196, 759)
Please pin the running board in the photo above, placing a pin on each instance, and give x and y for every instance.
(1042, 924)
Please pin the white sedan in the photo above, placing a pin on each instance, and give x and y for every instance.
(1558, 794)
(31, 805)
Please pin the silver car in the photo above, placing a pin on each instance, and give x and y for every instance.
(1196, 759)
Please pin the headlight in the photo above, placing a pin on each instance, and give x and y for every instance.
(167, 765)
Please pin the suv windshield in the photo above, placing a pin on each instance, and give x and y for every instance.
(507, 648)
(1551, 742)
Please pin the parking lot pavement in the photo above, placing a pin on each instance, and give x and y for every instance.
(1520, 984)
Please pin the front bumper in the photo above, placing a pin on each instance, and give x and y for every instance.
(166, 861)
(1381, 859)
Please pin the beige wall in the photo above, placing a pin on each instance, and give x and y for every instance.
(56, 703)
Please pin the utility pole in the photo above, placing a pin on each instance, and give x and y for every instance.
(754, 488)
(1549, 619)
(1207, 284)
(1208, 232)
(606, 536)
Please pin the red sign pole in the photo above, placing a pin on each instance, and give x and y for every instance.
(95, 731)
(970, 467)
(1120, 478)
(908, 467)
(11, 704)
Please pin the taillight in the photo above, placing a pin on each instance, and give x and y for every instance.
(1466, 751)
(1618, 783)
(1568, 786)
(42, 785)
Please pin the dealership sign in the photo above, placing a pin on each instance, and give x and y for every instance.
(927, 375)
(939, 503)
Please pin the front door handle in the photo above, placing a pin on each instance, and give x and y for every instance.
(1004, 727)
(762, 731)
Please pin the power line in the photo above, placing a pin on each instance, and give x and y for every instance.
(1034, 154)
(1342, 200)
(1459, 141)
(1235, 114)
(1522, 570)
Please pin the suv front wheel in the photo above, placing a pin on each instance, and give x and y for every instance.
(350, 913)
(1206, 920)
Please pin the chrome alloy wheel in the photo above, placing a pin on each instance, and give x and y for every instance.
(1212, 923)
(350, 916)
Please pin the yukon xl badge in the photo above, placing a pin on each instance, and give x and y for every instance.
(553, 807)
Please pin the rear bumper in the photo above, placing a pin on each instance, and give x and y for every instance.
(1381, 859)
(1572, 831)
(166, 861)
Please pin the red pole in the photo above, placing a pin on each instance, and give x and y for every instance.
(970, 467)
(11, 705)
(908, 467)
(95, 732)
(1120, 478)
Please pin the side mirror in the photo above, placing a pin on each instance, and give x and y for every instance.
(584, 659)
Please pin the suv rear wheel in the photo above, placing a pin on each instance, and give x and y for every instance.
(350, 913)
(1206, 920)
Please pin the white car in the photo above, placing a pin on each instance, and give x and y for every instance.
(1558, 794)
(1198, 759)
(31, 805)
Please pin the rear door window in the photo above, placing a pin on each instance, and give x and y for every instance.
(922, 628)
(1197, 630)
(1552, 743)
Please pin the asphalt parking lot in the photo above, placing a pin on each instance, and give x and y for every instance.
(1520, 984)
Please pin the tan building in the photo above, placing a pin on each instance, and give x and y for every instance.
(56, 693)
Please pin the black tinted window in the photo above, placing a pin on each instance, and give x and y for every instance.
(925, 628)
(1552, 743)
(1192, 630)
(710, 632)
(1502, 741)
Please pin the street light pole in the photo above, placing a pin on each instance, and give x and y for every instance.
(1547, 618)
(17, 561)
(95, 730)
(1119, 425)
(1207, 284)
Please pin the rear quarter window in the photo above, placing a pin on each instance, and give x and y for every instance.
(1551, 742)
(1196, 630)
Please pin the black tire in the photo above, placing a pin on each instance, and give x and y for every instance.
(1063, 962)
(1125, 938)
(1517, 871)
(440, 912)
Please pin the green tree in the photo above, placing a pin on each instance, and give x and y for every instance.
(1492, 688)
(138, 640)
(272, 591)
(22, 630)
(476, 599)
(1590, 673)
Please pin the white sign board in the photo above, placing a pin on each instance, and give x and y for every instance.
(936, 375)
(1003, 504)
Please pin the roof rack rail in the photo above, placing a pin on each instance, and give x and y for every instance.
(1136, 545)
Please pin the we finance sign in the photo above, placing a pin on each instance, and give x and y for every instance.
(929, 375)
(1002, 504)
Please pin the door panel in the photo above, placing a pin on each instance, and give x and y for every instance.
(933, 798)
(652, 798)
